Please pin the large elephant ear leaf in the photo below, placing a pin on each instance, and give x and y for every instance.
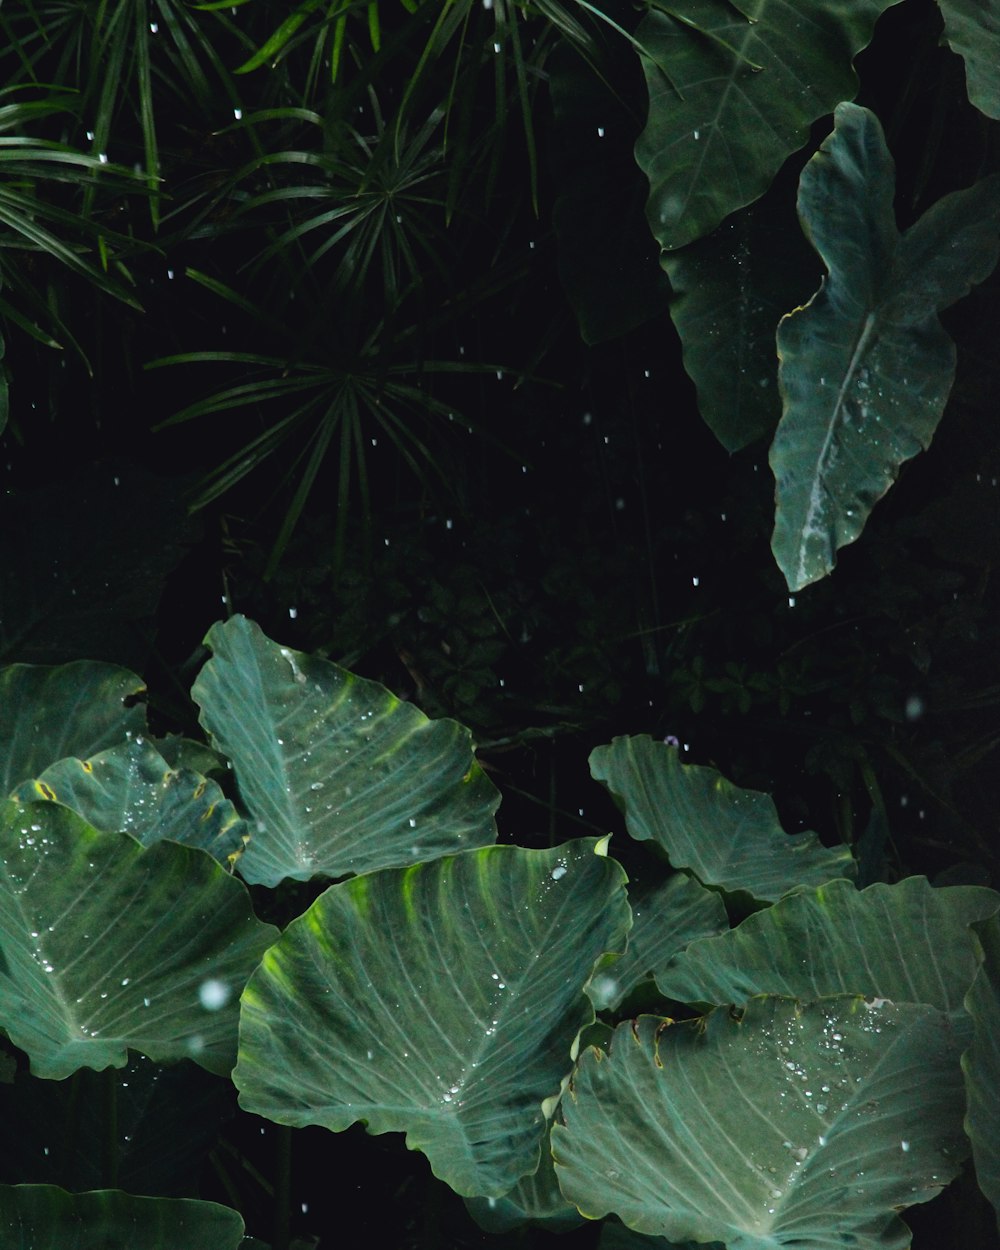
(866, 366)
(733, 89)
(981, 1063)
(130, 788)
(727, 837)
(43, 1217)
(106, 946)
(339, 776)
(47, 713)
(790, 1123)
(441, 1000)
(908, 942)
(972, 29)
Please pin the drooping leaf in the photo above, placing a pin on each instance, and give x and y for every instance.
(535, 1199)
(866, 366)
(729, 291)
(733, 89)
(440, 1000)
(972, 29)
(43, 1217)
(130, 788)
(908, 942)
(106, 945)
(338, 775)
(981, 1063)
(615, 1236)
(726, 836)
(665, 918)
(47, 713)
(794, 1123)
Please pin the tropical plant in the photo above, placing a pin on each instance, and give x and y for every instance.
(832, 1045)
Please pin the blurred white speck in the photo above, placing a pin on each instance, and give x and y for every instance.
(293, 613)
(904, 1146)
(213, 994)
(170, 274)
(153, 27)
(102, 157)
(237, 113)
(915, 707)
(791, 601)
(600, 132)
(695, 581)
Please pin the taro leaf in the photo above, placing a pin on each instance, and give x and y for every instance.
(664, 920)
(106, 945)
(130, 788)
(733, 89)
(730, 289)
(83, 564)
(72, 709)
(42, 1217)
(908, 942)
(866, 365)
(615, 1236)
(981, 1063)
(535, 1199)
(440, 1000)
(338, 775)
(972, 29)
(727, 837)
(607, 257)
(794, 1123)
(181, 752)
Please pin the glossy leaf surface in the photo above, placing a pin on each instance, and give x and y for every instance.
(981, 1063)
(733, 89)
(972, 29)
(48, 712)
(798, 1123)
(726, 836)
(866, 366)
(107, 946)
(339, 775)
(908, 942)
(440, 1000)
(665, 918)
(130, 788)
(43, 1217)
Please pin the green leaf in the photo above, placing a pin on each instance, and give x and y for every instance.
(106, 946)
(981, 1063)
(727, 837)
(792, 1123)
(866, 366)
(733, 90)
(47, 713)
(441, 1001)
(972, 29)
(42, 1217)
(730, 290)
(908, 942)
(130, 788)
(665, 918)
(535, 1198)
(339, 776)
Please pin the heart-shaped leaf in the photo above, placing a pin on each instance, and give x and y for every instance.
(972, 29)
(866, 366)
(733, 89)
(47, 713)
(726, 836)
(908, 942)
(981, 1063)
(130, 788)
(440, 1000)
(338, 775)
(105, 946)
(665, 918)
(42, 1217)
(792, 1123)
